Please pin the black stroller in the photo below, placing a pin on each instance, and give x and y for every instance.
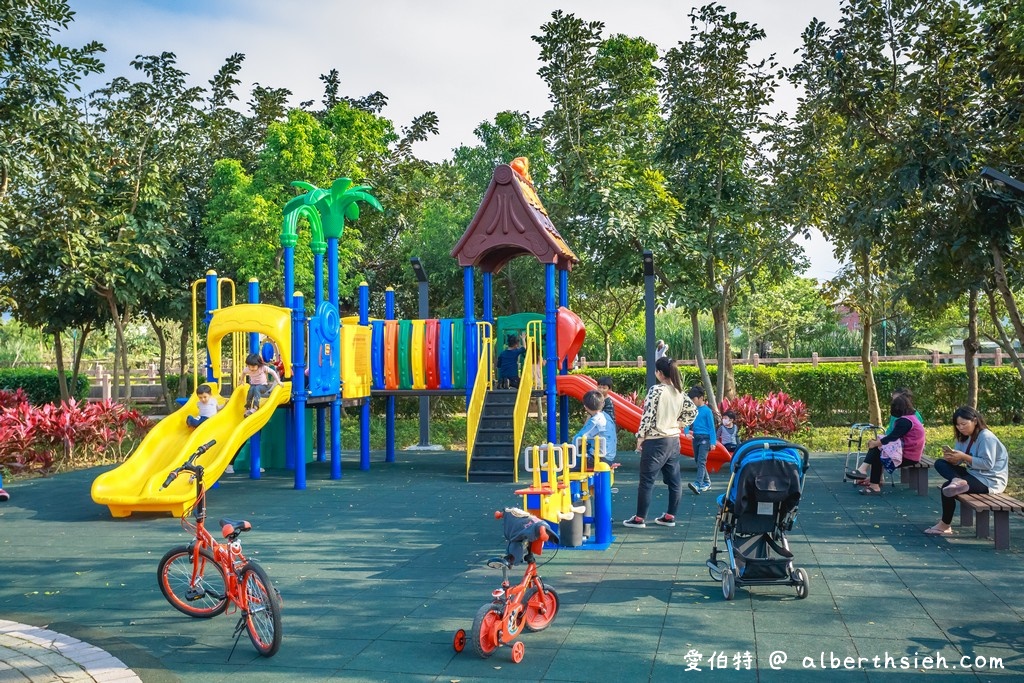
(754, 514)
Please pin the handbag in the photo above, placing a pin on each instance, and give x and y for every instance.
(892, 455)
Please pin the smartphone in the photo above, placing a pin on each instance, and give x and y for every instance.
(946, 449)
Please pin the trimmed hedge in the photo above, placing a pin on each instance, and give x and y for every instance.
(41, 386)
(835, 395)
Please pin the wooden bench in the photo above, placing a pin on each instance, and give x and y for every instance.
(916, 475)
(983, 503)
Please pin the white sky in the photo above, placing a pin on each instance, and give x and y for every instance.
(466, 60)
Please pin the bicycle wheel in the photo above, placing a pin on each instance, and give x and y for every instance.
(485, 624)
(208, 598)
(540, 609)
(263, 610)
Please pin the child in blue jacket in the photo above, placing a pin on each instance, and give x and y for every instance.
(703, 430)
(598, 425)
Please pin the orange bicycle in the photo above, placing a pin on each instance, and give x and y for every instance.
(529, 605)
(201, 578)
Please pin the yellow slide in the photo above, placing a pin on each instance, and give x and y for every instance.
(134, 486)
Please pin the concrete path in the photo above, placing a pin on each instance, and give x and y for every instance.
(378, 571)
(28, 653)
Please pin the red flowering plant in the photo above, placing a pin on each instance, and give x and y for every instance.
(774, 415)
(67, 436)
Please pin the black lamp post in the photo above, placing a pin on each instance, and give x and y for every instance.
(649, 314)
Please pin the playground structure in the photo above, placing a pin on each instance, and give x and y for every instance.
(389, 357)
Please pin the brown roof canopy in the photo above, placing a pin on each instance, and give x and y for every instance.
(511, 222)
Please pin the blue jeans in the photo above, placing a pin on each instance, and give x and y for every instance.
(659, 455)
(257, 392)
(948, 472)
(194, 421)
(701, 447)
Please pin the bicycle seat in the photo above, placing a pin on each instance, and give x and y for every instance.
(500, 562)
(231, 528)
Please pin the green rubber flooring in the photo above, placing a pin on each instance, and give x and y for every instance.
(379, 569)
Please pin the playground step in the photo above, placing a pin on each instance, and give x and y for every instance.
(491, 468)
(501, 398)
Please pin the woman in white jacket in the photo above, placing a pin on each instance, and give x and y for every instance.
(978, 463)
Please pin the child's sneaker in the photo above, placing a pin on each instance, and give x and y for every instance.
(230, 469)
(706, 486)
(695, 487)
(666, 520)
(249, 411)
(635, 522)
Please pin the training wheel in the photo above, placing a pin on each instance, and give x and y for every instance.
(459, 643)
(518, 651)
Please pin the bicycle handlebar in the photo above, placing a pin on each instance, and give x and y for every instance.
(189, 465)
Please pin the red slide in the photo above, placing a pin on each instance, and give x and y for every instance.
(627, 416)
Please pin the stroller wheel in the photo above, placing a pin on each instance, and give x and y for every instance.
(728, 584)
(804, 587)
(715, 569)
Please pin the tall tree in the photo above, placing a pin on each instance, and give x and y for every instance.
(715, 153)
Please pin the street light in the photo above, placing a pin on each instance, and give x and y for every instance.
(648, 258)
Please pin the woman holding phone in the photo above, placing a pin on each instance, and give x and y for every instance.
(977, 463)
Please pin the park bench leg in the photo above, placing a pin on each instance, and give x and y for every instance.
(922, 482)
(907, 476)
(1002, 529)
(981, 530)
(966, 515)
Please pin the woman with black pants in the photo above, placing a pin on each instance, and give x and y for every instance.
(908, 429)
(667, 409)
(978, 463)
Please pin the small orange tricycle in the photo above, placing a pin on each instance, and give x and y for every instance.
(529, 605)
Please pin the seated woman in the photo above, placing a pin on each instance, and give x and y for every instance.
(979, 463)
(906, 428)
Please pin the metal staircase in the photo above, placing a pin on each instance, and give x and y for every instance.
(494, 457)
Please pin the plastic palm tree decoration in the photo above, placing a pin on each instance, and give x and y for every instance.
(304, 206)
(336, 204)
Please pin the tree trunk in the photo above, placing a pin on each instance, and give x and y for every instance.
(874, 409)
(79, 351)
(971, 348)
(698, 354)
(120, 350)
(162, 341)
(62, 380)
(1004, 341)
(607, 350)
(1003, 287)
(183, 363)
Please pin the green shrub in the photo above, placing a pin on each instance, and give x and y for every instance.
(41, 386)
(835, 394)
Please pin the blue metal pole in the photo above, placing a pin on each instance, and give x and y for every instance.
(254, 298)
(488, 295)
(603, 504)
(550, 350)
(299, 388)
(563, 401)
(212, 304)
(364, 411)
(289, 275)
(332, 287)
(469, 323)
(318, 298)
(256, 440)
(389, 446)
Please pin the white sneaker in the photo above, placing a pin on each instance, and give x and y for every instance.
(230, 469)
